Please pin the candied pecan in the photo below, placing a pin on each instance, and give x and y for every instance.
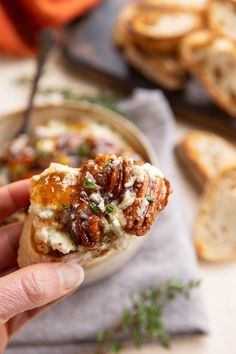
(157, 192)
(88, 231)
(106, 179)
(85, 222)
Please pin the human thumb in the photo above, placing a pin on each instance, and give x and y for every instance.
(35, 286)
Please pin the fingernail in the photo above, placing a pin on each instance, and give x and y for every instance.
(72, 275)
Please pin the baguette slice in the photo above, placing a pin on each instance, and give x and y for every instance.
(222, 17)
(212, 59)
(28, 253)
(215, 233)
(161, 30)
(163, 70)
(79, 214)
(185, 5)
(204, 155)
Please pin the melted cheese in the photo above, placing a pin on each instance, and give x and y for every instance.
(116, 223)
(128, 200)
(52, 129)
(97, 198)
(47, 237)
(84, 127)
(41, 212)
(45, 145)
(138, 173)
(19, 144)
(142, 207)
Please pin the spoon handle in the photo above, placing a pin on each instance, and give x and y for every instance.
(47, 40)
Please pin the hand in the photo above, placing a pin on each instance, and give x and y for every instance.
(24, 293)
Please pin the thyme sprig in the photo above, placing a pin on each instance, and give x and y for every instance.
(144, 319)
(104, 98)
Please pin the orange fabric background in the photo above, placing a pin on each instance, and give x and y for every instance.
(20, 21)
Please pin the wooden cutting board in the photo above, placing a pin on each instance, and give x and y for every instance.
(88, 46)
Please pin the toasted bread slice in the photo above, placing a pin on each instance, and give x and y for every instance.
(164, 70)
(161, 30)
(205, 155)
(215, 233)
(185, 5)
(28, 253)
(222, 17)
(78, 214)
(212, 59)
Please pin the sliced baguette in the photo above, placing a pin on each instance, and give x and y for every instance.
(204, 155)
(215, 233)
(222, 17)
(212, 59)
(161, 30)
(28, 253)
(185, 5)
(164, 70)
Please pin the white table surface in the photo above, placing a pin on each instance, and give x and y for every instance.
(218, 280)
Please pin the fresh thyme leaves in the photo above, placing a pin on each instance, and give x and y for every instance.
(90, 185)
(94, 208)
(65, 206)
(110, 208)
(84, 149)
(150, 199)
(106, 164)
(144, 319)
(104, 98)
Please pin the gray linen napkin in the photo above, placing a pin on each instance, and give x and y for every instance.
(167, 253)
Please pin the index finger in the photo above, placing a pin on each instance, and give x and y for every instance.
(13, 197)
(9, 242)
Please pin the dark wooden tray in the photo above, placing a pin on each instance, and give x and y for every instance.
(88, 46)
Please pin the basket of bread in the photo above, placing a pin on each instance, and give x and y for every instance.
(167, 41)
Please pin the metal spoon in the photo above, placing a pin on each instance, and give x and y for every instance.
(47, 40)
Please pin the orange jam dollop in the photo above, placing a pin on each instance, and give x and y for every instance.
(54, 189)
